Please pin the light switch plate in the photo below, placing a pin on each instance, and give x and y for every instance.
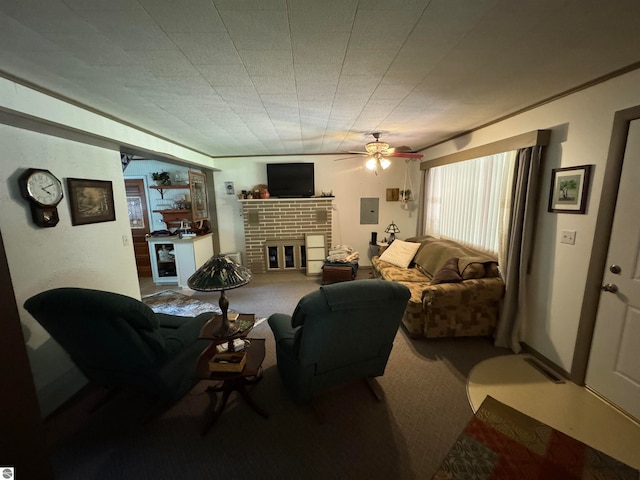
(568, 237)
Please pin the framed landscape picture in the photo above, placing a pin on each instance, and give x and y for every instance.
(91, 201)
(569, 189)
(198, 190)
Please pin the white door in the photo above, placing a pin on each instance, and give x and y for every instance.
(614, 362)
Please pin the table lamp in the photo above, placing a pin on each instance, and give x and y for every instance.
(392, 229)
(220, 273)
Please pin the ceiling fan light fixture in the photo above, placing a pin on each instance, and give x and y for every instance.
(384, 163)
(376, 147)
(371, 164)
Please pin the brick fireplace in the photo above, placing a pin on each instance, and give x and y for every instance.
(282, 220)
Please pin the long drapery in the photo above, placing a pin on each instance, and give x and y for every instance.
(520, 240)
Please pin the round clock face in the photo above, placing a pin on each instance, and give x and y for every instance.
(44, 188)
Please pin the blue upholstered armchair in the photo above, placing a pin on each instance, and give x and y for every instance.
(337, 333)
(118, 341)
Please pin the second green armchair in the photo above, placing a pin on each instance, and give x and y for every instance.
(337, 333)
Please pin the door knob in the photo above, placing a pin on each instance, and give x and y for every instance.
(615, 269)
(610, 287)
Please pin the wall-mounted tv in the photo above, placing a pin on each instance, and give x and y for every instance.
(292, 180)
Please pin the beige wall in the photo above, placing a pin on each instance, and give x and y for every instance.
(348, 179)
(581, 127)
(92, 256)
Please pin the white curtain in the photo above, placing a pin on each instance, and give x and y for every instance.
(469, 201)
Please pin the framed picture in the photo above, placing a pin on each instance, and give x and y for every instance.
(569, 189)
(91, 201)
(199, 204)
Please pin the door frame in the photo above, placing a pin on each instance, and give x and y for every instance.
(601, 238)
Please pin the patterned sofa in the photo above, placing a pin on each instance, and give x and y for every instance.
(455, 289)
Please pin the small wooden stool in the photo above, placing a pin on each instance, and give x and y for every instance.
(338, 272)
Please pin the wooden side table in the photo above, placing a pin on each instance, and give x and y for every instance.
(231, 381)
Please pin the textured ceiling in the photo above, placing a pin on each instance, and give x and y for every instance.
(258, 77)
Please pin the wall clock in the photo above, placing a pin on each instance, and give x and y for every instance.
(43, 191)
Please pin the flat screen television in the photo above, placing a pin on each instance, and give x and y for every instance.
(290, 180)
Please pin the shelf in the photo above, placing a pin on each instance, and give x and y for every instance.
(169, 187)
(162, 188)
(169, 210)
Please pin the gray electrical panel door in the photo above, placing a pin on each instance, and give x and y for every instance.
(369, 211)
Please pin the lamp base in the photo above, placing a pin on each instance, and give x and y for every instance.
(227, 328)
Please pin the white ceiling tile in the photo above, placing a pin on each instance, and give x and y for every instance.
(258, 30)
(224, 76)
(207, 48)
(278, 62)
(195, 16)
(319, 47)
(164, 62)
(367, 62)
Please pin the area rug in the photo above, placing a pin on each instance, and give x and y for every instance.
(174, 303)
(501, 443)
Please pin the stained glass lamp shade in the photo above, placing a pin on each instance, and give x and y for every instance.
(220, 273)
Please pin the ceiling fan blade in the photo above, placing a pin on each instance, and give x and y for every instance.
(346, 158)
(405, 155)
(360, 153)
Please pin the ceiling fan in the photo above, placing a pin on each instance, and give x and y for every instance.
(378, 152)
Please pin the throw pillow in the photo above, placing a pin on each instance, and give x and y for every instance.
(448, 273)
(400, 253)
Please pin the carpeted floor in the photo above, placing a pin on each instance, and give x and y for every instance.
(406, 436)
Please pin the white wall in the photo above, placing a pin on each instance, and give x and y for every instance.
(142, 169)
(91, 256)
(349, 181)
(581, 127)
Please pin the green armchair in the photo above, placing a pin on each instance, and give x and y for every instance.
(119, 342)
(337, 333)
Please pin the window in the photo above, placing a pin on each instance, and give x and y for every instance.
(466, 201)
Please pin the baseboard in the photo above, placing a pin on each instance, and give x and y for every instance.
(546, 362)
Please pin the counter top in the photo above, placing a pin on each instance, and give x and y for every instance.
(177, 239)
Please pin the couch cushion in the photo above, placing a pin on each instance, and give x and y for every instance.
(448, 273)
(435, 252)
(403, 275)
(400, 253)
(477, 266)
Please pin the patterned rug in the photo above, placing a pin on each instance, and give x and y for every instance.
(174, 303)
(502, 443)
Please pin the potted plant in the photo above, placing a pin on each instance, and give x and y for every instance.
(405, 196)
(161, 178)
